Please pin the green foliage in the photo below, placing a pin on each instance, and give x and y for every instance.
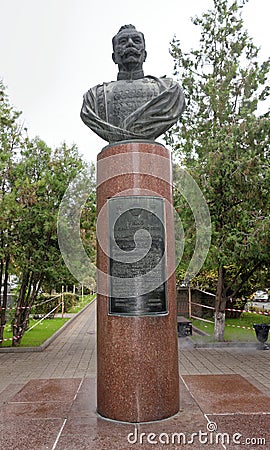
(81, 302)
(33, 181)
(223, 140)
(88, 225)
(39, 334)
(76, 225)
(236, 330)
(73, 303)
(45, 303)
(10, 142)
(42, 176)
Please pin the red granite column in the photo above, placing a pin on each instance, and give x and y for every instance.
(137, 356)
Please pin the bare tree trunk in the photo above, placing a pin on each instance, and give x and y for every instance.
(4, 297)
(17, 323)
(27, 299)
(220, 306)
(2, 310)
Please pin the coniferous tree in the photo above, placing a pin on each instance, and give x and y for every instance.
(223, 140)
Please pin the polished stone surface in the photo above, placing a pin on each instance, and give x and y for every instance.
(35, 410)
(48, 390)
(137, 356)
(74, 425)
(73, 355)
(226, 394)
(250, 431)
(26, 434)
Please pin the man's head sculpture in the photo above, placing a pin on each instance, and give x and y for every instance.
(129, 49)
(135, 107)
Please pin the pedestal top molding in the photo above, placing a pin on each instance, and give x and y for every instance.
(135, 106)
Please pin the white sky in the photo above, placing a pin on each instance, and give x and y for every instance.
(52, 51)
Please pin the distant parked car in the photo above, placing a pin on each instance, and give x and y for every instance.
(261, 296)
(259, 300)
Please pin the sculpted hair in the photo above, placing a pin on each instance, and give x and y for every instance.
(128, 27)
(124, 27)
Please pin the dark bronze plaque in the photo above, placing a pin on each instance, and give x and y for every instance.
(137, 256)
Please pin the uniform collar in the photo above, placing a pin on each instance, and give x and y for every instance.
(136, 75)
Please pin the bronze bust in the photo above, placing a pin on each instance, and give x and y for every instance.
(135, 106)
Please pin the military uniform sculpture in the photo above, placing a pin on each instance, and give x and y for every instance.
(135, 106)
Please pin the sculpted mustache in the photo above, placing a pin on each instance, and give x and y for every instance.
(127, 51)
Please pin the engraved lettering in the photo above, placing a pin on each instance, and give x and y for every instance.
(128, 216)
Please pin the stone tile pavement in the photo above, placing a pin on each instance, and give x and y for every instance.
(250, 363)
(73, 355)
(33, 419)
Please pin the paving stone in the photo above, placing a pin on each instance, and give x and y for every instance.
(41, 409)
(226, 394)
(48, 390)
(244, 430)
(43, 393)
(25, 434)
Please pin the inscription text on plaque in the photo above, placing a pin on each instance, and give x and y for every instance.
(137, 256)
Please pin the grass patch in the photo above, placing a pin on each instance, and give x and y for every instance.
(81, 303)
(37, 335)
(45, 329)
(233, 330)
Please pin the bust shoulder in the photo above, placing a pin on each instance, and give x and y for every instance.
(143, 108)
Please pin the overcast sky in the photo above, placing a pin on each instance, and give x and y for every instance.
(52, 51)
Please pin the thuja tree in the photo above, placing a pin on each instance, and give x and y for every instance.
(223, 140)
(11, 140)
(33, 180)
(76, 226)
(43, 175)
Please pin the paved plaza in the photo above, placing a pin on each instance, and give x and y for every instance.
(47, 398)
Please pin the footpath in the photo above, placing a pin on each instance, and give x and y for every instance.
(48, 399)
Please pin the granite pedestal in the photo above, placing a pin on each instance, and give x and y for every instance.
(137, 358)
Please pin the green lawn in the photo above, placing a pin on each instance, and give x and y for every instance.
(37, 335)
(82, 303)
(233, 329)
(44, 329)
